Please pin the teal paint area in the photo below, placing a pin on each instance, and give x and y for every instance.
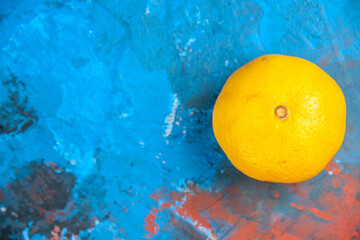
(106, 108)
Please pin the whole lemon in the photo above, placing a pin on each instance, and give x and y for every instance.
(280, 119)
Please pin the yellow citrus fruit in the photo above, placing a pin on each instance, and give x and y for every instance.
(280, 119)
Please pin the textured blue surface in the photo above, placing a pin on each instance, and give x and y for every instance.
(117, 97)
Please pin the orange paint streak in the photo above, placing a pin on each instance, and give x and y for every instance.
(154, 196)
(150, 224)
(165, 205)
(242, 211)
(283, 235)
(321, 214)
(297, 206)
(276, 194)
(244, 230)
(315, 211)
(336, 171)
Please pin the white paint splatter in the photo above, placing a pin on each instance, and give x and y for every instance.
(25, 234)
(191, 40)
(123, 115)
(3, 209)
(170, 118)
(74, 237)
(330, 172)
(226, 63)
(184, 131)
(208, 232)
(147, 11)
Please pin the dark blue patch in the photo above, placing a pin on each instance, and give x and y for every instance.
(15, 113)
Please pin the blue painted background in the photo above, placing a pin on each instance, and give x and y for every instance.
(115, 99)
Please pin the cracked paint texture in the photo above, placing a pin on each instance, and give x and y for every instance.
(105, 119)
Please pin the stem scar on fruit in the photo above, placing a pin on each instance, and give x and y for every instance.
(281, 111)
